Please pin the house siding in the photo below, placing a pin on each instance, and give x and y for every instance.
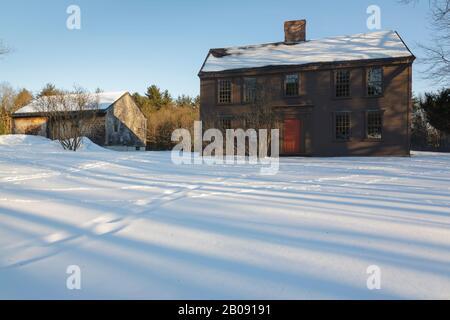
(316, 105)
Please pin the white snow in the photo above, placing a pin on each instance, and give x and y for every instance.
(23, 143)
(101, 101)
(140, 227)
(374, 45)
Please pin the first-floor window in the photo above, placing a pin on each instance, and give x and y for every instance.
(342, 125)
(225, 123)
(374, 124)
(224, 91)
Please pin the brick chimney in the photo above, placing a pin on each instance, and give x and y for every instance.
(295, 31)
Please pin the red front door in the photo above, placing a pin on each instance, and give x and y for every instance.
(292, 131)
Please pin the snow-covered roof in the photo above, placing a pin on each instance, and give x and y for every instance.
(100, 101)
(374, 45)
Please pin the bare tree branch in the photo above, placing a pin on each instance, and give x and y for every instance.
(71, 116)
(437, 55)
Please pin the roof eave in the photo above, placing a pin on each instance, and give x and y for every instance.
(406, 46)
(204, 62)
(325, 65)
(45, 114)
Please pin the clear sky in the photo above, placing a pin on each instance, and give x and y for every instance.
(128, 45)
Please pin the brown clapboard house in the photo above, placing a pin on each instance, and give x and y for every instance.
(338, 96)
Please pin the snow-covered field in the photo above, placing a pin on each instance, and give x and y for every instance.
(139, 226)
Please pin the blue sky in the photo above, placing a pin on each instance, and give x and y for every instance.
(128, 45)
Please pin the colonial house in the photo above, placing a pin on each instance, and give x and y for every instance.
(337, 96)
(119, 123)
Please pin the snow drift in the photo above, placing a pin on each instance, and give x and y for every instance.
(42, 144)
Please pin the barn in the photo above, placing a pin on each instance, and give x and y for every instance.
(120, 124)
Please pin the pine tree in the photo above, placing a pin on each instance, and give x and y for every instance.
(437, 109)
(49, 90)
(157, 98)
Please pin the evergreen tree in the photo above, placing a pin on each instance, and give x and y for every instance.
(185, 101)
(158, 98)
(49, 90)
(437, 109)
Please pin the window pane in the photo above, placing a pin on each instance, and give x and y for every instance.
(374, 81)
(342, 83)
(342, 123)
(249, 89)
(374, 124)
(291, 84)
(226, 123)
(224, 91)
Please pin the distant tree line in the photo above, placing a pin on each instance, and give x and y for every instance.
(165, 114)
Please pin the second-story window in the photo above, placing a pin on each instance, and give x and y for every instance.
(291, 85)
(224, 91)
(342, 82)
(249, 90)
(374, 81)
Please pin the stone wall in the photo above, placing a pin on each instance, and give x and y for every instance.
(125, 124)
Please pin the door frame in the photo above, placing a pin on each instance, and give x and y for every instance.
(299, 136)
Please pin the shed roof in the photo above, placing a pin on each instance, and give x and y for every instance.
(101, 102)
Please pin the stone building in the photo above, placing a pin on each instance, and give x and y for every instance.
(119, 123)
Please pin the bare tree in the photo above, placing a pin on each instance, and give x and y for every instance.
(71, 116)
(261, 114)
(437, 59)
(7, 96)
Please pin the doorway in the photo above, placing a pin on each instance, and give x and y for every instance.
(292, 136)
